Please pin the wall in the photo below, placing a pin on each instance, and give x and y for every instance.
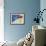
(43, 6)
(29, 8)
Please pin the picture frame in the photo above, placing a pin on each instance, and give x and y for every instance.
(17, 18)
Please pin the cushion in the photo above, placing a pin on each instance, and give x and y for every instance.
(20, 42)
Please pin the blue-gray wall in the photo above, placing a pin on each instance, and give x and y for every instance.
(29, 8)
(43, 6)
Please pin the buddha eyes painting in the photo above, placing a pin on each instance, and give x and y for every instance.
(17, 18)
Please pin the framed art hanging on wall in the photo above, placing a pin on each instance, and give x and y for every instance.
(17, 18)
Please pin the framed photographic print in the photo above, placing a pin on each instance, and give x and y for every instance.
(17, 18)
